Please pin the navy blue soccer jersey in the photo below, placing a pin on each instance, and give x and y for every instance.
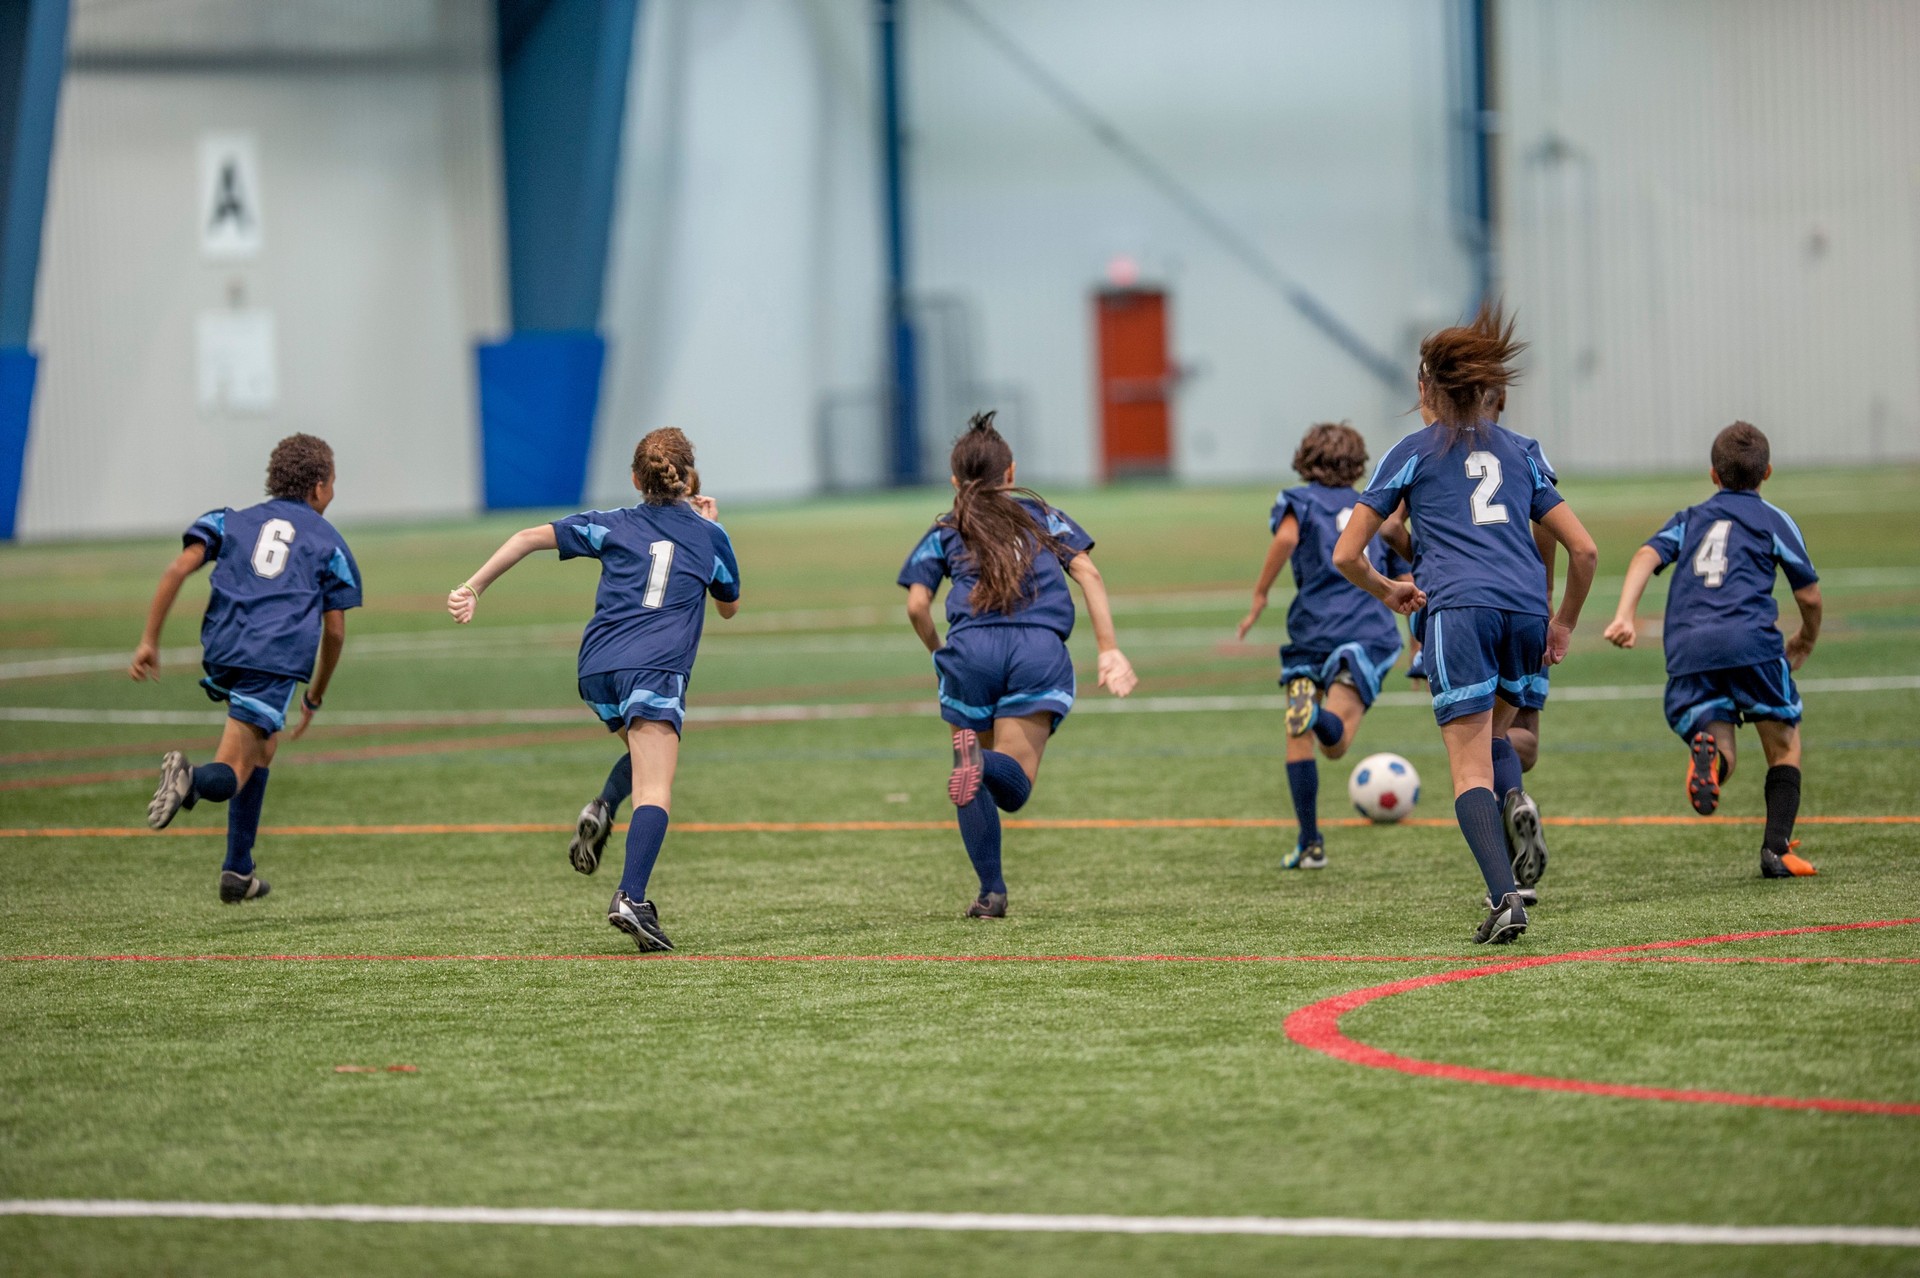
(1473, 497)
(277, 567)
(658, 564)
(1720, 608)
(941, 555)
(1327, 609)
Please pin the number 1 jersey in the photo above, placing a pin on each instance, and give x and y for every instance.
(658, 564)
(1720, 609)
(276, 567)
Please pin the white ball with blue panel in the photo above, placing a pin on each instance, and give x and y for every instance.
(1384, 788)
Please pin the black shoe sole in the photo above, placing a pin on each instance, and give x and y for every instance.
(1506, 934)
(649, 942)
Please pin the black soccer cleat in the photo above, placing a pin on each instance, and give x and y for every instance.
(175, 790)
(1299, 706)
(1526, 842)
(1504, 923)
(235, 888)
(639, 920)
(988, 905)
(590, 836)
(1306, 856)
(1785, 865)
(1703, 773)
(969, 768)
(1528, 897)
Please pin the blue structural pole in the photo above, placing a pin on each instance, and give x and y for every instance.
(1480, 123)
(903, 387)
(563, 91)
(33, 54)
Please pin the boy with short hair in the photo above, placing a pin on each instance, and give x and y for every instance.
(1726, 661)
(282, 581)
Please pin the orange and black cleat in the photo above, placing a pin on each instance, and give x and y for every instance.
(1785, 865)
(1703, 773)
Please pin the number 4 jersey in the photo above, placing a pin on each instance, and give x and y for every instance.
(1473, 496)
(1720, 609)
(658, 564)
(276, 568)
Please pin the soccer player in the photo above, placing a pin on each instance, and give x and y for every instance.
(1726, 661)
(1340, 640)
(659, 560)
(282, 582)
(1005, 676)
(1472, 490)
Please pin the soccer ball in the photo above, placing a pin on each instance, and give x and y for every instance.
(1384, 788)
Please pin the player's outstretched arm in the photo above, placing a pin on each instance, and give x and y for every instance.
(1620, 631)
(464, 598)
(1116, 672)
(920, 616)
(146, 657)
(1279, 550)
(1583, 558)
(1350, 557)
(1801, 645)
(333, 641)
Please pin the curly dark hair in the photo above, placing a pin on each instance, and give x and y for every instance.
(1331, 453)
(299, 462)
(1741, 456)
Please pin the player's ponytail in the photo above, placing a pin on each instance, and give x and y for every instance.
(999, 534)
(1465, 370)
(663, 467)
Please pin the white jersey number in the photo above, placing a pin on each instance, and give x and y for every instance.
(662, 552)
(274, 549)
(1710, 561)
(1485, 467)
(1340, 520)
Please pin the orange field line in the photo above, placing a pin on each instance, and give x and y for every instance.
(885, 827)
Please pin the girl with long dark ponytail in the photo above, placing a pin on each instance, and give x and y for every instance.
(1005, 676)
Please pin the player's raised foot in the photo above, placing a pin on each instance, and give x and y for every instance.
(590, 837)
(1526, 842)
(639, 920)
(1785, 865)
(988, 905)
(1504, 922)
(1299, 706)
(964, 781)
(1311, 855)
(235, 888)
(1703, 773)
(175, 790)
(1528, 897)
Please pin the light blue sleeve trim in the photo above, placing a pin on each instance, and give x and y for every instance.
(1788, 519)
(1401, 478)
(720, 574)
(339, 566)
(931, 547)
(595, 535)
(1785, 555)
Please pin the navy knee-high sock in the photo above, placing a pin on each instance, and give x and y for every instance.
(1479, 815)
(1005, 780)
(645, 833)
(619, 785)
(1506, 768)
(1303, 778)
(214, 782)
(243, 822)
(1327, 726)
(980, 831)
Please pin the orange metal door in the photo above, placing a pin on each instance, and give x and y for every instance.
(1136, 382)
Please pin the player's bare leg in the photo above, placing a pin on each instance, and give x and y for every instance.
(1342, 702)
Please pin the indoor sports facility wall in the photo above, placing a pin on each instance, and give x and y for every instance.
(1711, 211)
(380, 257)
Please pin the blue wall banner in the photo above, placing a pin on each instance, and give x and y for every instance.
(17, 369)
(538, 394)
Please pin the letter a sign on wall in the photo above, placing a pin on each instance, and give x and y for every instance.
(229, 197)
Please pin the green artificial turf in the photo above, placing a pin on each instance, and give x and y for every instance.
(1099, 1087)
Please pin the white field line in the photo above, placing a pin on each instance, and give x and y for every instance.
(804, 712)
(988, 1222)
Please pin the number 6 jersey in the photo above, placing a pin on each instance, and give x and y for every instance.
(276, 567)
(1473, 496)
(1720, 609)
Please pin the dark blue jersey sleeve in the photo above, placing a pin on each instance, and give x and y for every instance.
(1667, 542)
(210, 530)
(583, 534)
(1540, 462)
(927, 565)
(1281, 506)
(725, 583)
(1790, 550)
(1544, 496)
(340, 581)
(1071, 536)
(1392, 477)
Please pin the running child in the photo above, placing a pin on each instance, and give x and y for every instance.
(282, 582)
(1340, 640)
(1726, 661)
(1005, 676)
(1472, 490)
(659, 560)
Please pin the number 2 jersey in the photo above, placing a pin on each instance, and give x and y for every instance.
(658, 564)
(1720, 609)
(276, 568)
(1473, 496)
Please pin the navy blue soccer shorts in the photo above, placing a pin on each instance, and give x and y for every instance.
(1003, 672)
(1477, 654)
(252, 696)
(621, 696)
(1735, 696)
(1357, 665)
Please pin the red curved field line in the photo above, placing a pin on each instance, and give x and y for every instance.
(1317, 1026)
